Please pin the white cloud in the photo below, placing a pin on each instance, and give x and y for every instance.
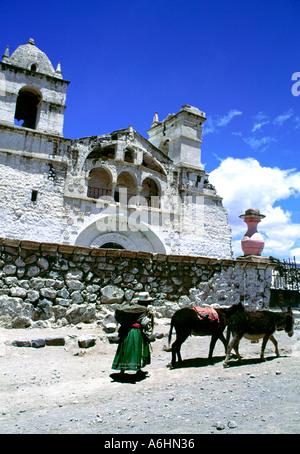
(296, 253)
(243, 184)
(283, 117)
(259, 143)
(212, 125)
(223, 121)
(258, 126)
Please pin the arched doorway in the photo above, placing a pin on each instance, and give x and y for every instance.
(122, 231)
(27, 107)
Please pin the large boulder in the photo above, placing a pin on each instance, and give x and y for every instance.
(20, 321)
(81, 313)
(111, 294)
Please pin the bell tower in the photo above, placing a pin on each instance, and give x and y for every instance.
(180, 136)
(32, 92)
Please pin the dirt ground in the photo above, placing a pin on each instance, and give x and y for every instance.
(68, 390)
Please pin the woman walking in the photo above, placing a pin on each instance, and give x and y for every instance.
(133, 352)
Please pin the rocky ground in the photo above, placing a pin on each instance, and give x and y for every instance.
(72, 390)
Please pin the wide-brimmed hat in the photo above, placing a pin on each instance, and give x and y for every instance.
(144, 298)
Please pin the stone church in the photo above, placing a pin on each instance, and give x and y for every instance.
(117, 190)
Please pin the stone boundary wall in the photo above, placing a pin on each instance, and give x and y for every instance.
(70, 284)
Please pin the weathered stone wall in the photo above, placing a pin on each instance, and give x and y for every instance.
(69, 284)
(20, 216)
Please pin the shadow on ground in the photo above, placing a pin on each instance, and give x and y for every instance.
(249, 361)
(129, 377)
(198, 362)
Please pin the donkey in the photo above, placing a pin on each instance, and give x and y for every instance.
(187, 322)
(256, 325)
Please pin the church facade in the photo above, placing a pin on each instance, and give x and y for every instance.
(117, 190)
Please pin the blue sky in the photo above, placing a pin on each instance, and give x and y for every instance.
(232, 59)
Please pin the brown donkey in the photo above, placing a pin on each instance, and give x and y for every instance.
(256, 325)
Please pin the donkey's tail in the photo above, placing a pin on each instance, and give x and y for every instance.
(228, 335)
(168, 348)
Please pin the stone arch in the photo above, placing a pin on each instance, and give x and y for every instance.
(164, 145)
(123, 230)
(28, 106)
(99, 183)
(113, 238)
(150, 162)
(151, 192)
(126, 188)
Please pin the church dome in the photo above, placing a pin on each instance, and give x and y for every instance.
(31, 57)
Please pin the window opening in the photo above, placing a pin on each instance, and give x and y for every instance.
(125, 191)
(102, 153)
(27, 108)
(34, 195)
(150, 193)
(129, 156)
(99, 185)
(33, 67)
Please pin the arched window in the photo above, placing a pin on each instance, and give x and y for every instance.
(150, 193)
(27, 106)
(126, 190)
(164, 145)
(99, 185)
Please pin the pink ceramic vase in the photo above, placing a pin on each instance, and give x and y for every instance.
(252, 242)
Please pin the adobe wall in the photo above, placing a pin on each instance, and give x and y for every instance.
(69, 284)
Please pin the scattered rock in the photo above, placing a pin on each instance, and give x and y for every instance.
(219, 425)
(110, 327)
(232, 424)
(21, 343)
(87, 341)
(55, 341)
(113, 338)
(38, 343)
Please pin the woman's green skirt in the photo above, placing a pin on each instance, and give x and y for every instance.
(133, 352)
